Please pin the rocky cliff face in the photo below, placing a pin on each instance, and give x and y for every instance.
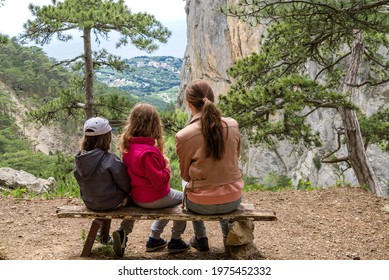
(214, 43)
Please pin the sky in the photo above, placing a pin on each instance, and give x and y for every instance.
(171, 13)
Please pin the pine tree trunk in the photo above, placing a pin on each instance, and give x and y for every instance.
(355, 147)
(88, 74)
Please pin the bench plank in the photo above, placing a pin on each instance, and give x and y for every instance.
(244, 212)
(102, 219)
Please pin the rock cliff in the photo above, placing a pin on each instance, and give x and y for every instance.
(214, 43)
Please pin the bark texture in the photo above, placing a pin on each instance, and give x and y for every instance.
(355, 146)
(88, 74)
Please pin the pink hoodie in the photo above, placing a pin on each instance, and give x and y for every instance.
(149, 178)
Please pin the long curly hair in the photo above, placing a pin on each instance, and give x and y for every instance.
(143, 121)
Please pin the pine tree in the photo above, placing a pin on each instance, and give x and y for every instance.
(100, 18)
(347, 41)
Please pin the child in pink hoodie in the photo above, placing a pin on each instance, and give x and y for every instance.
(149, 170)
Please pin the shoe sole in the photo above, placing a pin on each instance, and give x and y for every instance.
(156, 248)
(195, 244)
(174, 251)
(117, 244)
(199, 249)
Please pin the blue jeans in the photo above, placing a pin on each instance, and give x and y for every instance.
(199, 226)
(174, 197)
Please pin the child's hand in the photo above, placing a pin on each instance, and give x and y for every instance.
(167, 161)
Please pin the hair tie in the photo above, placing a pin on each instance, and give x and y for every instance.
(205, 99)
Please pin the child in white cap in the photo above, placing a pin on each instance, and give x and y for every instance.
(103, 178)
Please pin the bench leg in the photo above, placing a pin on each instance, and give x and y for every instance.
(90, 239)
(106, 225)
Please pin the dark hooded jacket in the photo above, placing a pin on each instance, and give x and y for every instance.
(103, 179)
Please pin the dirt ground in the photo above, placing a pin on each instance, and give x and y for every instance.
(330, 224)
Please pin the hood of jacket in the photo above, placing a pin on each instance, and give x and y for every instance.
(87, 162)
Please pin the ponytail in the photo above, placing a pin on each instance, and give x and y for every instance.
(201, 96)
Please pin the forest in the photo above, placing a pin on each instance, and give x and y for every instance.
(36, 80)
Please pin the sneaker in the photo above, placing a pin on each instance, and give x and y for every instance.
(155, 244)
(199, 244)
(119, 242)
(177, 246)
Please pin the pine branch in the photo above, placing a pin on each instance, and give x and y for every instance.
(68, 61)
(339, 132)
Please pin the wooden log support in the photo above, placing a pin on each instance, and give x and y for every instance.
(106, 225)
(245, 214)
(90, 239)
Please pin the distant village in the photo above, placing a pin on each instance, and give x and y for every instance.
(144, 80)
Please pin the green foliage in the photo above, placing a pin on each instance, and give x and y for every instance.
(375, 128)
(173, 121)
(271, 182)
(39, 164)
(58, 95)
(16, 152)
(272, 96)
(18, 193)
(306, 185)
(58, 166)
(10, 140)
(3, 39)
(114, 105)
(110, 103)
(67, 187)
(29, 72)
(317, 162)
(102, 16)
(269, 108)
(276, 182)
(64, 105)
(341, 182)
(43, 166)
(170, 151)
(83, 235)
(98, 17)
(274, 179)
(157, 102)
(144, 74)
(154, 80)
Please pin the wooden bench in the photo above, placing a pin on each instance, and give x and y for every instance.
(245, 212)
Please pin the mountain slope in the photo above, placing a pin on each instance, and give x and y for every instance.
(149, 76)
(47, 139)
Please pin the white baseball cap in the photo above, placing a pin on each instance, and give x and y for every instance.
(96, 126)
